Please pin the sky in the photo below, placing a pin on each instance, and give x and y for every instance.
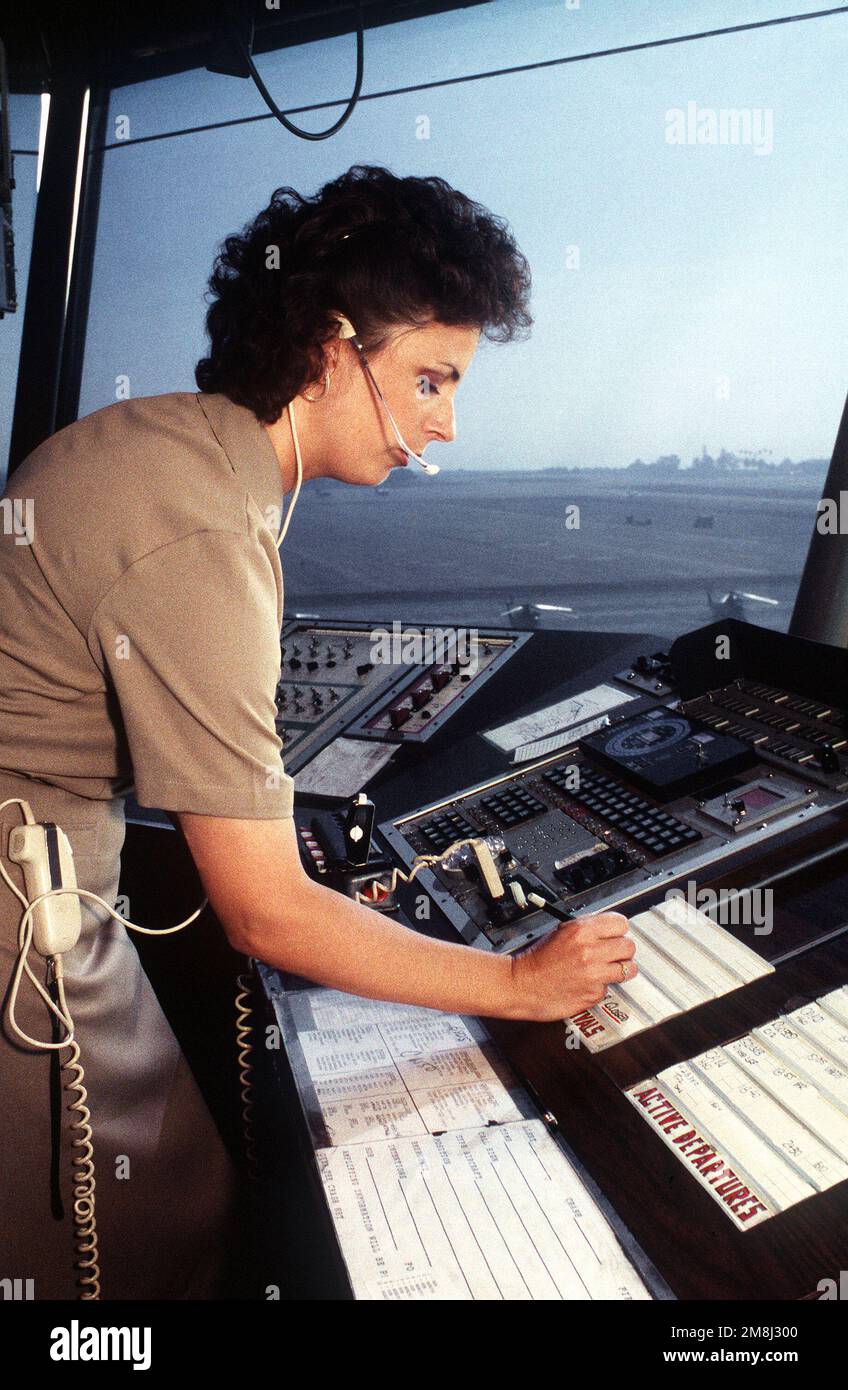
(686, 293)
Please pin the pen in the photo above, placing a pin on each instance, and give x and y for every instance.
(553, 908)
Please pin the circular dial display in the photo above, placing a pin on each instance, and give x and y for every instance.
(646, 739)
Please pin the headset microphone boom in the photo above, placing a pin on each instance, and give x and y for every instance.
(347, 330)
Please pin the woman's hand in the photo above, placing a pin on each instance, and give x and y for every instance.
(570, 970)
(270, 909)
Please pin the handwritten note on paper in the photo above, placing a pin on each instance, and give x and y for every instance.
(330, 1008)
(497, 1213)
(381, 1070)
(344, 767)
(360, 1121)
(534, 735)
(355, 1048)
(463, 1106)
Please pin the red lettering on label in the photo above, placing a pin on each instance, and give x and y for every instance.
(756, 1206)
(733, 1191)
(588, 1024)
(733, 1197)
(732, 1181)
(683, 1140)
(674, 1121)
(616, 1014)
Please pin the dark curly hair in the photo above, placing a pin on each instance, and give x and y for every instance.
(381, 249)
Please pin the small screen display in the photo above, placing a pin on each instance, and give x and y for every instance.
(759, 798)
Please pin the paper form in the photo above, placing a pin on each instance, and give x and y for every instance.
(644, 998)
(558, 724)
(680, 950)
(384, 1117)
(357, 1119)
(540, 747)
(824, 1029)
(678, 984)
(684, 960)
(359, 1085)
(710, 936)
(463, 1107)
(806, 1059)
(837, 1003)
(623, 1011)
(619, 1012)
(768, 1111)
(358, 1047)
(439, 1185)
(797, 1096)
(497, 1213)
(812, 1159)
(344, 767)
(411, 1039)
(331, 1008)
(382, 1070)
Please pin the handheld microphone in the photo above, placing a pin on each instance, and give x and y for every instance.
(347, 330)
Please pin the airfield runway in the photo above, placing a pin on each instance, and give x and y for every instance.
(463, 548)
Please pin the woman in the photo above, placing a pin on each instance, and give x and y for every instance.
(141, 649)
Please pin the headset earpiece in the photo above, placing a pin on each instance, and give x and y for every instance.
(346, 328)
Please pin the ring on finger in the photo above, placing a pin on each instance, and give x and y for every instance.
(624, 971)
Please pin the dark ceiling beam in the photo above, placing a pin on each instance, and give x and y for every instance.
(137, 43)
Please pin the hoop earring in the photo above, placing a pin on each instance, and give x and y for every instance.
(306, 395)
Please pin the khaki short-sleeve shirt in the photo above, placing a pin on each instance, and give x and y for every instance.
(141, 597)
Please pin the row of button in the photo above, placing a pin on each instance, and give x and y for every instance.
(799, 704)
(513, 806)
(592, 869)
(444, 829)
(790, 751)
(773, 719)
(783, 748)
(653, 829)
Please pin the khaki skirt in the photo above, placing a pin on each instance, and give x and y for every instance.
(165, 1188)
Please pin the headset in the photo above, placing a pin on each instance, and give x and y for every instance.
(348, 332)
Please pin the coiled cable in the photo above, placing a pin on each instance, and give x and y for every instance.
(244, 1043)
(421, 861)
(85, 1222)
